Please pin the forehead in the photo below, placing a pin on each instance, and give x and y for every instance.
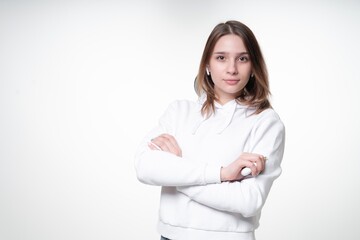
(230, 43)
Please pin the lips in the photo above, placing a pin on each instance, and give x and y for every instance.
(231, 81)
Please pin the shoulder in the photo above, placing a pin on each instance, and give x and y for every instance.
(269, 113)
(179, 112)
(181, 108)
(269, 117)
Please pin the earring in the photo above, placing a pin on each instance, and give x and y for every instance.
(252, 75)
(207, 72)
(244, 92)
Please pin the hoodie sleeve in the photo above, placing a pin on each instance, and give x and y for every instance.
(166, 169)
(248, 196)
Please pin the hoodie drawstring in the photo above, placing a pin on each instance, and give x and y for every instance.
(224, 113)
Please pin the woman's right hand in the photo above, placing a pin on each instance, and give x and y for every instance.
(232, 172)
(167, 143)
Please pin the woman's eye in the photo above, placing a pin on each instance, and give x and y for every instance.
(243, 59)
(220, 58)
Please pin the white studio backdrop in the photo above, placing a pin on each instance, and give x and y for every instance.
(81, 82)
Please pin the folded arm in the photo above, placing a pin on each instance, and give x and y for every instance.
(159, 160)
(247, 196)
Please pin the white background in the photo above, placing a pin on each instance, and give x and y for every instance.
(81, 82)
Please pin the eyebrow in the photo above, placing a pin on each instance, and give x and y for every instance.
(241, 53)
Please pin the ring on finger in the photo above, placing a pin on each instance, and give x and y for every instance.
(155, 145)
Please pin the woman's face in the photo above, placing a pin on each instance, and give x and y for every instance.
(230, 67)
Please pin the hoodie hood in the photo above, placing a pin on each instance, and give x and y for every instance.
(224, 113)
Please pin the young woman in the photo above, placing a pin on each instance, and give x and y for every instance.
(199, 150)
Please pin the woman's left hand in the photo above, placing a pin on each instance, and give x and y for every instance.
(232, 172)
(167, 143)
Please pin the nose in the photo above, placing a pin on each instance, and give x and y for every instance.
(232, 68)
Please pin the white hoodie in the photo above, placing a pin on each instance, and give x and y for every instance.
(194, 203)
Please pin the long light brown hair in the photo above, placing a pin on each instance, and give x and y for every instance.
(256, 92)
